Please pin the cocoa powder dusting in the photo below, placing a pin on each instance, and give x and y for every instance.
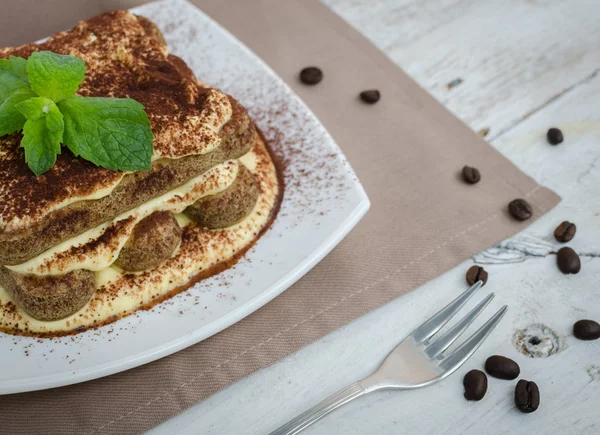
(109, 240)
(196, 241)
(299, 149)
(124, 60)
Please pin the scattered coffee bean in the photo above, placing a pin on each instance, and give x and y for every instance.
(568, 261)
(565, 232)
(527, 396)
(471, 175)
(372, 96)
(501, 367)
(311, 75)
(586, 330)
(475, 383)
(554, 136)
(454, 83)
(520, 209)
(476, 273)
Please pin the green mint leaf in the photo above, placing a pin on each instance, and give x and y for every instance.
(17, 66)
(110, 132)
(55, 76)
(42, 138)
(11, 120)
(35, 108)
(13, 89)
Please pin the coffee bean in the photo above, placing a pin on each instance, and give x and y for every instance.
(568, 260)
(586, 330)
(311, 75)
(471, 175)
(554, 136)
(475, 383)
(476, 273)
(565, 232)
(501, 367)
(520, 209)
(527, 396)
(372, 96)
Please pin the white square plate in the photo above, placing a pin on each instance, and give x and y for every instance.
(323, 200)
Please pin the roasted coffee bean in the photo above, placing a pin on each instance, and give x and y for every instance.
(565, 232)
(371, 96)
(554, 136)
(475, 383)
(527, 396)
(568, 260)
(520, 209)
(476, 273)
(311, 75)
(471, 175)
(586, 330)
(501, 367)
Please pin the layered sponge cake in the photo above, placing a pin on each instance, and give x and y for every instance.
(81, 245)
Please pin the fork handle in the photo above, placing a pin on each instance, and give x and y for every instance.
(321, 410)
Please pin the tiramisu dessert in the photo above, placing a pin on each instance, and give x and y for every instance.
(123, 179)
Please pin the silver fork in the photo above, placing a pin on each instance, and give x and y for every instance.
(418, 361)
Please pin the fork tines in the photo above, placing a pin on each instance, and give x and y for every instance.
(434, 347)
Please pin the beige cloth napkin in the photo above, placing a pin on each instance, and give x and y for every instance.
(407, 151)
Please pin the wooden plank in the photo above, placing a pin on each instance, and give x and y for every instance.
(505, 58)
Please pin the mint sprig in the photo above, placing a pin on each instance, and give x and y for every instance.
(37, 97)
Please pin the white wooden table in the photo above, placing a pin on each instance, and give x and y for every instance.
(521, 66)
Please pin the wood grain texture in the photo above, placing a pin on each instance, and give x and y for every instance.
(525, 66)
(512, 56)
